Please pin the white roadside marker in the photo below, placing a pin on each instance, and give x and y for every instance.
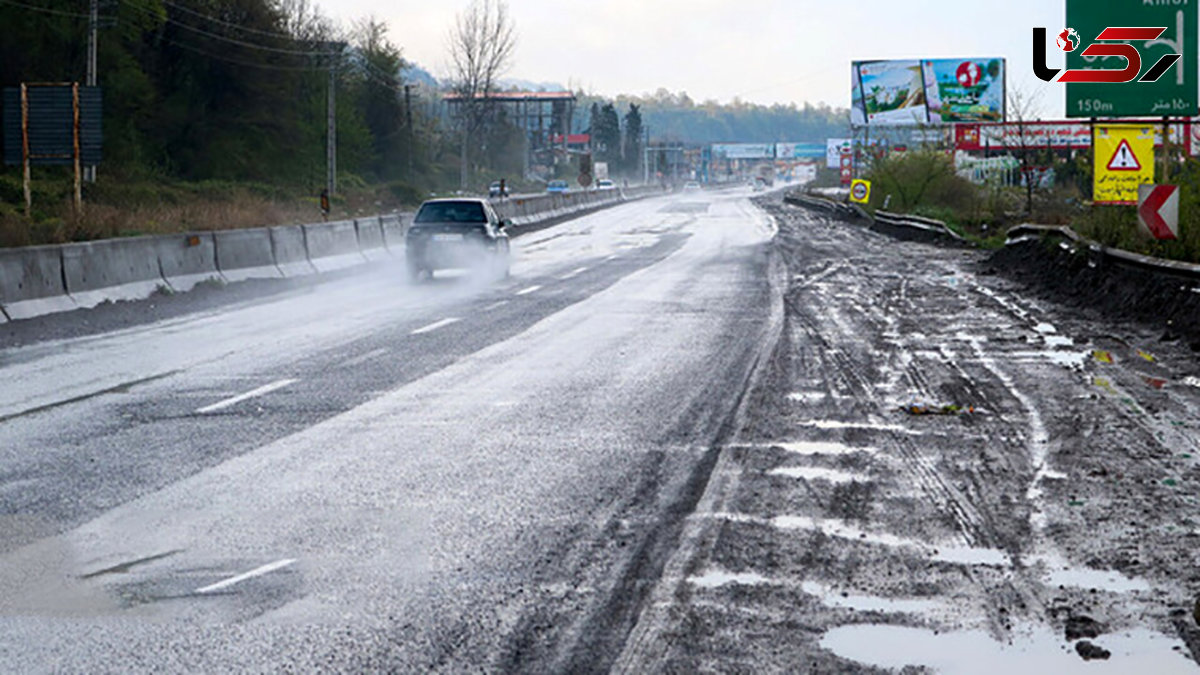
(435, 325)
(266, 389)
(256, 572)
(527, 291)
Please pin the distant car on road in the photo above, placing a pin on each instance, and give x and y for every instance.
(605, 184)
(457, 234)
(497, 190)
(691, 186)
(557, 187)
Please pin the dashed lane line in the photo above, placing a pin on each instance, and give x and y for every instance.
(527, 291)
(256, 572)
(573, 273)
(363, 358)
(435, 326)
(265, 389)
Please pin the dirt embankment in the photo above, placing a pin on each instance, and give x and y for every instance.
(1116, 292)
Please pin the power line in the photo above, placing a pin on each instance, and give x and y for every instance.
(230, 24)
(248, 64)
(229, 40)
(45, 10)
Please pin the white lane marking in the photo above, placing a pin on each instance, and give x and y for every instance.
(573, 273)
(265, 389)
(435, 325)
(256, 572)
(373, 354)
(527, 291)
(495, 305)
(612, 257)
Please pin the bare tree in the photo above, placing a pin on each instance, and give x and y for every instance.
(482, 44)
(1022, 108)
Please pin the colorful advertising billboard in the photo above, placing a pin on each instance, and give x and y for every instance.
(964, 90)
(743, 150)
(916, 92)
(893, 93)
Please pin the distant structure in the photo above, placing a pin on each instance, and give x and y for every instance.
(545, 117)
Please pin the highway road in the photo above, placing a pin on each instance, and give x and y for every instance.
(705, 432)
(362, 474)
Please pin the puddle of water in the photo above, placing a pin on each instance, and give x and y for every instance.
(870, 426)
(975, 652)
(820, 448)
(869, 603)
(811, 473)
(1059, 341)
(718, 578)
(1061, 573)
(1066, 359)
(1045, 328)
(839, 529)
(954, 555)
(989, 557)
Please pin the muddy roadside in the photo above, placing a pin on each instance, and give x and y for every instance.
(946, 471)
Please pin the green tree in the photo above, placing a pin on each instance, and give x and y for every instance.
(633, 139)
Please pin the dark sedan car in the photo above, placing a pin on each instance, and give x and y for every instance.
(457, 234)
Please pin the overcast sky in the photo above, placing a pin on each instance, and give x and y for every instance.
(765, 51)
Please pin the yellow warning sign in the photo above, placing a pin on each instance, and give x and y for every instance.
(1124, 159)
(860, 191)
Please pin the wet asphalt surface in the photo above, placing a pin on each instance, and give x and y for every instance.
(1046, 523)
(362, 475)
(682, 438)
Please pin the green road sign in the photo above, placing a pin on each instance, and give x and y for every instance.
(1174, 94)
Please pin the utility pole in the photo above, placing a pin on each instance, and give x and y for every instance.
(331, 133)
(89, 173)
(412, 142)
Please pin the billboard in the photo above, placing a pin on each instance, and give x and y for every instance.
(834, 147)
(743, 151)
(787, 151)
(892, 93)
(964, 90)
(917, 92)
(51, 131)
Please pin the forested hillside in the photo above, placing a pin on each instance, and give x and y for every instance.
(225, 89)
(677, 117)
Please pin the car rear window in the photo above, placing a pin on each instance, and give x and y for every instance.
(452, 212)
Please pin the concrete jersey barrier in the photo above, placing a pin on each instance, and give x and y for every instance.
(333, 246)
(246, 254)
(31, 282)
(370, 239)
(39, 280)
(291, 254)
(393, 231)
(111, 270)
(186, 260)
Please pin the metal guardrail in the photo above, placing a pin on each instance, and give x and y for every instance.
(1016, 235)
(1029, 231)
